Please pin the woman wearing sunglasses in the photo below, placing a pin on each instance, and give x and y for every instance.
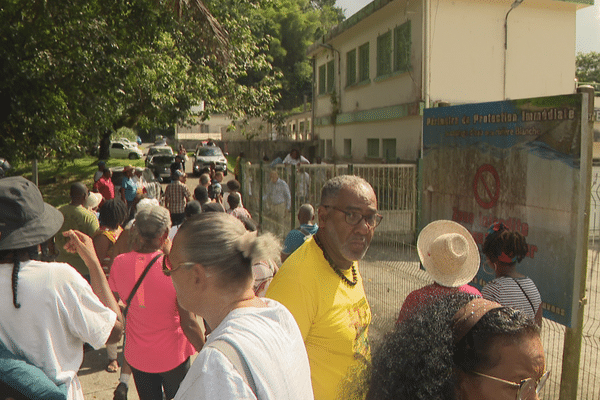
(255, 349)
(460, 348)
(160, 336)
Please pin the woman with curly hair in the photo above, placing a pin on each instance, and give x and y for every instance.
(460, 348)
(504, 249)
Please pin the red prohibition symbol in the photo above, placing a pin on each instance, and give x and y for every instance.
(486, 186)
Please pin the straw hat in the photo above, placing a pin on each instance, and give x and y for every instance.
(448, 252)
(93, 200)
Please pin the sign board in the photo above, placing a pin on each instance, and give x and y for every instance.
(518, 162)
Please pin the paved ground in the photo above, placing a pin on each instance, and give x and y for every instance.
(96, 382)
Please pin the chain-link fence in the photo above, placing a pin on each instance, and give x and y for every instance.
(391, 268)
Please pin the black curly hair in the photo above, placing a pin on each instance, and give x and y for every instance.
(113, 213)
(419, 360)
(502, 240)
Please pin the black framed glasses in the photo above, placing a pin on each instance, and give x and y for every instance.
(527, 388)
(354, 218)
(167, 267)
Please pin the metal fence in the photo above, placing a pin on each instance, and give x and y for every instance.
(391, 270)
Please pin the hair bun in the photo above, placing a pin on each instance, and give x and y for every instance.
(245, 243)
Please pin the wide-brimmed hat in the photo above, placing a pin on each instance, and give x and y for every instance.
(448, 252)
(93, 200)
(25, 220)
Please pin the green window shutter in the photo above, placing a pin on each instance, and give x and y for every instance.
(322, 77)
(402, 44)
(384, 54)
(351, 67)
(330, 77)
(363, 63)
(373, 148)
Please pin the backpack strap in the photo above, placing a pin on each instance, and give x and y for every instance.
(138, 283)
(234, 356)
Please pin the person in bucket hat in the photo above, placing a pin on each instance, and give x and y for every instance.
(38, 299)
(450, 257)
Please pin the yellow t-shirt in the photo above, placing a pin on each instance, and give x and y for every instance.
(333, 317)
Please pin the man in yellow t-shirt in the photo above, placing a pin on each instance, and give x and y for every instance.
(321, 286)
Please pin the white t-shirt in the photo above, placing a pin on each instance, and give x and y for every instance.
(59, 313)
(269, 341)
(295, 161)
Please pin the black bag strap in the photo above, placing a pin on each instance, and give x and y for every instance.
(138, 283)
(525, 293)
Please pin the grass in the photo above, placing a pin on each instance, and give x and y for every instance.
(55, 178)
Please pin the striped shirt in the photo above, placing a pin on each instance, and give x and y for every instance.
(506, 291)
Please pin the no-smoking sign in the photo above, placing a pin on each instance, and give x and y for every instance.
(486, 186)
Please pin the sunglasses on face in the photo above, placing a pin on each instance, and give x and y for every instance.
(527, 388)
(354, 218)
(167, 267)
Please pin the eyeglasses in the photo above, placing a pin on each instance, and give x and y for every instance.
(527, 389)
(167, 267)
(354, 218)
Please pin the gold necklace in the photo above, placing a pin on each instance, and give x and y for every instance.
(347, 281)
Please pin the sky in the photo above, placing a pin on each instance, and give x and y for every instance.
(588, 23)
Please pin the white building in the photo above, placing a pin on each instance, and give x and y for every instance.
(376, 72)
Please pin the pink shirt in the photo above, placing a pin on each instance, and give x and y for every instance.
(106, 188)
(155, 341)
(427, 295)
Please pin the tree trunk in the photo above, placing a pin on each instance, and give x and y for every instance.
(104, 152)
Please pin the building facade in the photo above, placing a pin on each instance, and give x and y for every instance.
(376, 72)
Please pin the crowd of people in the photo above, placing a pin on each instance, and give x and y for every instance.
(267, 322)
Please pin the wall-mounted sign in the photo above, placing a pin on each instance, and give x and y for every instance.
(519, 162)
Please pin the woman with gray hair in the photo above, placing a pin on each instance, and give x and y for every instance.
(255, 349)
(160, 336)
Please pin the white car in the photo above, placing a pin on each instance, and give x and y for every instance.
(125, 150)
(127, 141)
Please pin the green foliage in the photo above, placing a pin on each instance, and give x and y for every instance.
(588, 67)
(73, 71)
(289, 27)
(124, 132)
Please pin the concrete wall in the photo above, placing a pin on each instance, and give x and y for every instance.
(467, 50)
(466, 59)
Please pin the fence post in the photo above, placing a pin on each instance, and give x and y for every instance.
(260, 194)
(569, 379)
(350, 169)
(293, 196)
(244, 196)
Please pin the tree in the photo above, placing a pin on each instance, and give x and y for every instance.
(290, 27)
(588, 67)
(74, 71)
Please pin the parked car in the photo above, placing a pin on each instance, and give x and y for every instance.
(154, 189)
(125, 150)
(205, 155)
(160, 165)
(154, 150)
(127, 141)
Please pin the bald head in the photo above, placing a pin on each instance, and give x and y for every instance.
(79, 193)
(306, 214)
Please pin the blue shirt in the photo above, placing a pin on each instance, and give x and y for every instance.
(278, 193)
(130, 188)
(296, 237)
